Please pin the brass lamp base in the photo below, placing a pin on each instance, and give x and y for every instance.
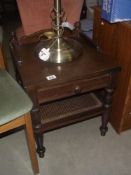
(61, 49)
(64, 50)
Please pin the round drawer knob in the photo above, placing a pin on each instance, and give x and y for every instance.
(77, 90)
(102, 23)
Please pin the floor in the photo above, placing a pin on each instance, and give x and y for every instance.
(77, 149)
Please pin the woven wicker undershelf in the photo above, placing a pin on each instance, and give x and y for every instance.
(67, 108)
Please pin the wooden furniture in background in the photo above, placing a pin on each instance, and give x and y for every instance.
(71, 96)
(114, 40)
(104, 34)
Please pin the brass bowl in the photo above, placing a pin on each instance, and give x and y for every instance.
(47, 35)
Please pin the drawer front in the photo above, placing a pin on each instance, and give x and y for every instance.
(73, 88)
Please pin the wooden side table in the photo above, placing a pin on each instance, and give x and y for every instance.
(72, 95)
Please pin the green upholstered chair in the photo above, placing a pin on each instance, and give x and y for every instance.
(15, 108)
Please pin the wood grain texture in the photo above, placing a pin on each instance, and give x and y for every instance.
(114, 40)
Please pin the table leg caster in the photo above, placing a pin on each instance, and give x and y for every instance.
(103, 131)
(41, 152)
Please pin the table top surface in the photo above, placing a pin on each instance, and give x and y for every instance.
(34, 72)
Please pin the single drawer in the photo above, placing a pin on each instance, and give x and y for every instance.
(73, 88)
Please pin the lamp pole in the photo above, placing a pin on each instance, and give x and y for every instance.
(57, 7)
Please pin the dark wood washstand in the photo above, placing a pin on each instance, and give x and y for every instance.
(72, 96)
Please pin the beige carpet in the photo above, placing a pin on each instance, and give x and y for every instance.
(74, 150)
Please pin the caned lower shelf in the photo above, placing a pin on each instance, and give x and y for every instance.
(69, 110)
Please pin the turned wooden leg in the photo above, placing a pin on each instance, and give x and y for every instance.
(37, 131)
(36, 121)
(107, 108)
(40, 147)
